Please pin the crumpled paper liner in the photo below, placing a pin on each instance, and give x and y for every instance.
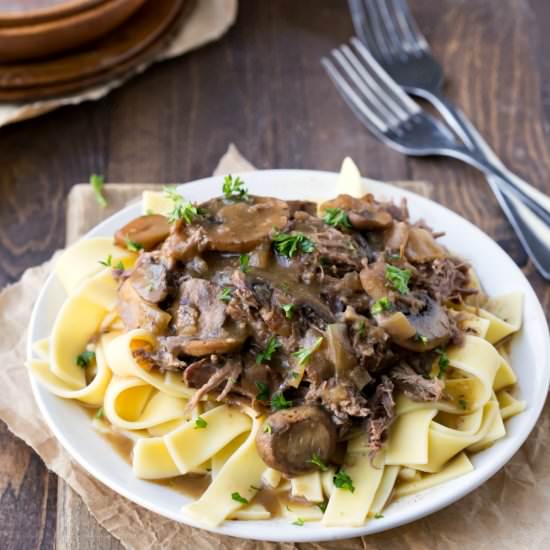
(209, 20)
(507, 512)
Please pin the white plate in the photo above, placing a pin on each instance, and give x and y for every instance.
(498, 273)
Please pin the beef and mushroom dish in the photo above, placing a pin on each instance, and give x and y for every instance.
(313, 315)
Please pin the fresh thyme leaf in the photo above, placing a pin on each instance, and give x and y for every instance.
(107, 262)
(272, 346)
(316, 459)
(380, 305)
(289, 310)
(299, 522)
(263, 391)
(225, 295)
(336, 217)
(287, 244)
(443, 362)
(244, 261)
(233, 189)
(85, 358)
(267, 428)
(200, 423)
(322, 506)
(133, 246)
(343, 481)
(97, 181)
(236, 496)
(304, 354)
(119, 265)
(421, 338)
(378, 515)
(100, 413)
(279, 401)
(397, 278)
(182, 210)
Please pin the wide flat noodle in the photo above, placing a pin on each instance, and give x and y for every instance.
(308, 486)
(384, 491)
(504, 314)
(155, 202)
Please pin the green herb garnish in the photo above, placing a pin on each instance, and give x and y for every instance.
(225, 295)
(299, 522)
(200, 423)
(233, 189)
(133, 246)
(236, 496)
(244, 260)
(183, 210)
(380, 305)
(336, 217)
(107, 262)
(263, 391)
(421, 338)
(119, 265)
(362, 329)
(279, 401)
(85, 358)
(378, 515)
(316, 459)
(272, 346)
(397, 278)
(287, 244)
(343, 481)
(97, 181)
(443, 362)
(100, 413)
(267, 428)
(304, 354)
(322, 506)
(463, 404)
(289, 310)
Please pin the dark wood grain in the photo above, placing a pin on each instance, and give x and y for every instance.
(263, 88)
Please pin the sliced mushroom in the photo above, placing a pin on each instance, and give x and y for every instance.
(147, 231)
(340, 350)
(396, 325)
(201, 322)
(364, 213)
(373, 279)
(149, 278)
(422, 247)
(294, 436)
(136, 312)
(241, 226)
(395, 238)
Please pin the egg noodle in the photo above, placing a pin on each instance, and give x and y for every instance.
(428, 442)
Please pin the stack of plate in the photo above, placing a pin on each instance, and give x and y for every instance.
(55, 47)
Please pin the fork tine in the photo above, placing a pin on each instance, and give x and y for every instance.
(357, 105)
(392, 88)
(377, 27)
(389, 23)
(408, 26)
(361, 25)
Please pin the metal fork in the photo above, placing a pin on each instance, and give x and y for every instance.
(390, 32)
(389, 113)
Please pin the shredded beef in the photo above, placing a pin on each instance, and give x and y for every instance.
(415, 386)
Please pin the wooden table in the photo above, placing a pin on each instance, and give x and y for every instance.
(261, 87)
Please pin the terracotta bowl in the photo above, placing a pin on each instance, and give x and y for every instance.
(50, 37)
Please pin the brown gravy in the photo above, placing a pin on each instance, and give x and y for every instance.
(190, 485)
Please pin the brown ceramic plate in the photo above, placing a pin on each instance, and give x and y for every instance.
(14, 13)
(42, 39)
(145, 34)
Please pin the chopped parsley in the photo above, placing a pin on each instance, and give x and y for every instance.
(421, 338)
(200, 423)
(236, 496)
(299, 522)
(289, 310)
(443, 362)
(322, 506)
(272, 346)
(267, 428)
(336, 217)
(85, 358)
(304, 354)
(183, 210)
(119, 265)
(244, 261)
(263, 391)
(287, 244)
(133, 246)
(361, 329)
(380, 305)
(397, 278)
(463, 404)
(108, 262)
(343, 481)
(97, 181)
(279, 401)
(225, 295)
(316, 459)
(100, 413)
(233, 189)
(378, 515)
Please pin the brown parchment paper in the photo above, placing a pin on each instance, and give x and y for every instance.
(209, 20)
(510, 511)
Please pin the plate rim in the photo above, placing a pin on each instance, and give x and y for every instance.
(316, 533)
